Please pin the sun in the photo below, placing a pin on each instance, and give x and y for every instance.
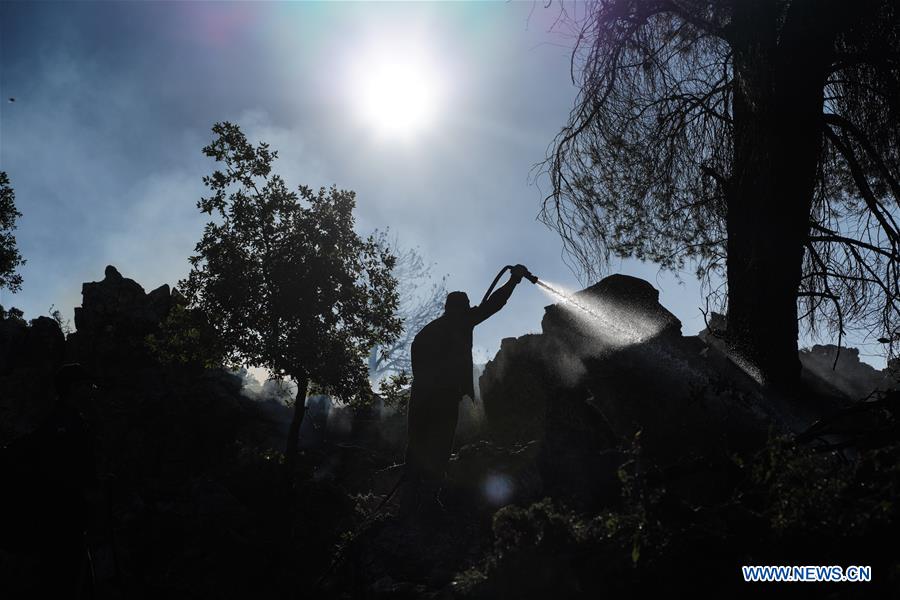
(398, 94)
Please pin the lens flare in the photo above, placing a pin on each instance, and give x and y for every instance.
(498, 488)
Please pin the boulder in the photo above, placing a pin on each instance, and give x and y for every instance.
(612, 365)
(30, 355)
(617, 311)
(848, 373)
(113, 322)
(114, 301)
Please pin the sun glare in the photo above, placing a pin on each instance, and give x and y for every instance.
(397, 94)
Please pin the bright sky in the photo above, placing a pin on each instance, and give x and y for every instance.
(114, 102)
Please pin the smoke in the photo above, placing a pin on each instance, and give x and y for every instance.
(339, 420)
(270, 390)
(471, 416)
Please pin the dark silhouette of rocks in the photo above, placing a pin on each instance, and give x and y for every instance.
(625, 301)
(848, 373)
(113, 321)
(197, 501)
(193, 496)
(29, 357)
(581, 393)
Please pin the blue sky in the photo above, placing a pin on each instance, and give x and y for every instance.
(114, 102)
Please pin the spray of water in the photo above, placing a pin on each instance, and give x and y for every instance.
(617, 324)
(622, 326)
(568, 299)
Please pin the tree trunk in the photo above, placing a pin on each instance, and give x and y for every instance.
(293, 438)
(778, 101)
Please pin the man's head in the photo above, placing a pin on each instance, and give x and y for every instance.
(457, 302)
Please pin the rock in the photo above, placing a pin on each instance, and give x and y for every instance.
(197, 492)
(824, 387)
(40, 344)
(850, 375)
(622, 310)
(161, 301)
(12, 333)
(595, 378)
(30, 355)
(113, 301)
(113, 321)
(519, 382)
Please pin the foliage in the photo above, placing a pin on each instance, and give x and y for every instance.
(12, 313)
(65, 325)
(186, 337)
(537, 552)
(395, 391)
(421, 301)
(816, 493)
(10, 258)
(789, 500)
(647, 165)
(285, 280)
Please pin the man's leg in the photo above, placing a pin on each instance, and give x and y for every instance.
(423, 469)
(444, 439)
(431, 422)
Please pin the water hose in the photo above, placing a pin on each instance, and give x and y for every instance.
(494, 282)
(528, 276)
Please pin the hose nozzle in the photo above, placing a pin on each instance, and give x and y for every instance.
(527, 275)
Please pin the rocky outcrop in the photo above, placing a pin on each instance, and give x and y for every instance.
(119, 303)
(616, 311)
(30, 355)
(842, 368)
(610, 366)
(201, 505)
(113, 322)
(832, 375)
(186, 462)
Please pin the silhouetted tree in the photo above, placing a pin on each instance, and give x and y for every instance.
(10, 259)
(186, 337)
(285, 280)
(421, 301)
(758, 140)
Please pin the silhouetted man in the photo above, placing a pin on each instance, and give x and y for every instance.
(442, 375)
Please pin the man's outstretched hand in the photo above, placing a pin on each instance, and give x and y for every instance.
(518, 272)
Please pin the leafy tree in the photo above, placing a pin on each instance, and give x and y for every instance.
(421, 301)
(12, 313)
(186, 337)
(395, 390)
(10, 258)
(285, 280)
(759, 141)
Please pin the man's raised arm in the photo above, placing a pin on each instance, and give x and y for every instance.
(498, 299)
